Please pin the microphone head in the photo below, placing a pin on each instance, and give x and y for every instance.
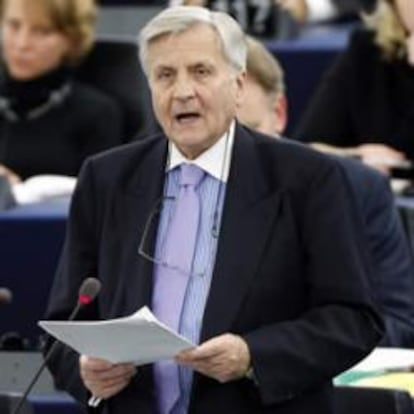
(89, 290)
(5, 296)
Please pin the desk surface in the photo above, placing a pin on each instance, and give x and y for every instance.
(58, 403)
(56, 209)
(315, 38)
(405, 202)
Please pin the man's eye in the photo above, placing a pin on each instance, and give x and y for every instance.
(164, 75)
(202, 71)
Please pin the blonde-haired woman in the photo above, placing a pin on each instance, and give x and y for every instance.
(364, 105)
(49, 122)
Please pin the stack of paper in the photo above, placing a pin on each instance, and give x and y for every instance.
(139, 338)
(387, 358)
(401, 381)
(383, 368)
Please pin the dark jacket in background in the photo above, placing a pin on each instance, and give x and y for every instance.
(392, 259)
(363, 99)
(352, 6)
(57, 141)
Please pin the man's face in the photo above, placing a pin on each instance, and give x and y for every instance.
(260, 111)
(194, 90)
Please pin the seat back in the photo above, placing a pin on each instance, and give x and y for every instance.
(9, 402)
(113, 67)
(7, 199)
(354, 400)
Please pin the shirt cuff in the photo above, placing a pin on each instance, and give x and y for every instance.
(251, 376)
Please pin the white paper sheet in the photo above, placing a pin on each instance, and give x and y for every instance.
(139, 338)
(43, 187)
(386, 359)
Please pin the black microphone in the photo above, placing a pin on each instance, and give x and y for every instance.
(87, 293)
(5, 296)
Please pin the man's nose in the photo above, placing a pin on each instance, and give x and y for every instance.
(184, 88)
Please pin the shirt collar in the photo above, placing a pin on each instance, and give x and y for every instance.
(215, 160)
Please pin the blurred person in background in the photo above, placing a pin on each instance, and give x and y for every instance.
(265, 109)
(259, 18)
(312, 11)
(363, 106)
(302, 11)
(49, 122)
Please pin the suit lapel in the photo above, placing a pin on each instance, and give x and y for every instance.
(141, 189)
(249, 209)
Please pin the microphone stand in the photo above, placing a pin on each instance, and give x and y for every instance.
(87, 293)
(49, 353)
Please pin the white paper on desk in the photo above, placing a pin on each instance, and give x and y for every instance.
(139, 338)
(386, 358)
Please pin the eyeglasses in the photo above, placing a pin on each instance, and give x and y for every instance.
(144, 248)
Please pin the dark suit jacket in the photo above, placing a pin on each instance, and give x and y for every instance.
(352, 6)
(393, 266)
(58, 142)
(289, 276)
(362, 99)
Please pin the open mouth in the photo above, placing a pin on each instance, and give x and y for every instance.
(187, 117)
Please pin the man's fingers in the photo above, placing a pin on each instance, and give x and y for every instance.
(206, 350)
(209, 349)
(110, 382)
(224, 358)
(103, 378)
(111, 373)
(95, 364)
(221, 371)
(107, 390)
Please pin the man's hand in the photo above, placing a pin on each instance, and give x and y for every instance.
(104, 379)
(224, 358)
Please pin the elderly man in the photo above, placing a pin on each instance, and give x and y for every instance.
(226, 235)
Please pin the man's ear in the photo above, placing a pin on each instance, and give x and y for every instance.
(240, 88)
(281, 112)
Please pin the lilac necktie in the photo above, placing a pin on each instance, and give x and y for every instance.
(170, 280)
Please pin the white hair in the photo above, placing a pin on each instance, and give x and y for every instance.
(181, 18)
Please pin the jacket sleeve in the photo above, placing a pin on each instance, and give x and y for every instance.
(393, 262)
(77, 262)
